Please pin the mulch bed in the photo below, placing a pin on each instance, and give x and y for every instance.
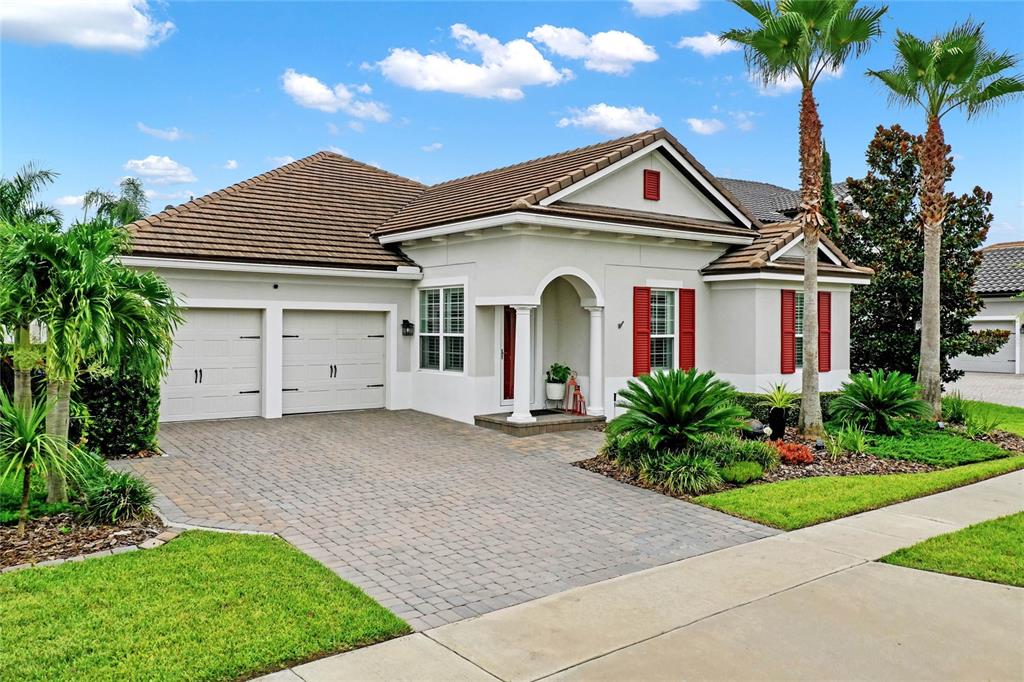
(605, 467)
(62, 536)
(141, 454)
(1010, 442)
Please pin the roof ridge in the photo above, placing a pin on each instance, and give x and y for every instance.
(1002, 245)
(565, 152)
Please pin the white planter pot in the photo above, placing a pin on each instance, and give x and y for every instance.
(555, 391)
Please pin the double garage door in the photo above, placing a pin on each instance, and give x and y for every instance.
(330, 361)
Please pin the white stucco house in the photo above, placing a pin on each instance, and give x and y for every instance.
(328, 284)
(999, 281)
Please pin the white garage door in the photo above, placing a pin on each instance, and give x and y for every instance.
(332, 361)
(1001, 361)
(215, 367)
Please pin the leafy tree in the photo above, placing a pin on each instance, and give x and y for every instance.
(954, 71)
(127, 207)
(828, 194)
(882, 231)
(803, 39)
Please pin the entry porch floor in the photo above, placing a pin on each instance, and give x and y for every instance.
(548, 421)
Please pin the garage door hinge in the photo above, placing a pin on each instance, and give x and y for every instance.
(249, 337)
(248, 391)
(289, 336)
(375, 336)
(286, 390)
(375, 385)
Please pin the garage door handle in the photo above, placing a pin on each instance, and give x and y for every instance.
(244, 392)
(375, 385)
(200, 375)
(249, 337)
(287, 390)
(375, 336)
(289, 336)
(195, 376)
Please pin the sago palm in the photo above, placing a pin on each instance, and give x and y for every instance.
(803, 39)
(950, 72)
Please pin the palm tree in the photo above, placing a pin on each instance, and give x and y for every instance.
(18, 196)
(803, 39)
(954, 71)
(120, 210)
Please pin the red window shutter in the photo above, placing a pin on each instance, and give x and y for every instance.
(824, 331)
(641, 331)
(788, 331)
(687, 329)
(652, 184)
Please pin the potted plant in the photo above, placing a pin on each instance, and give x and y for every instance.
(778, 399)
(557, 375)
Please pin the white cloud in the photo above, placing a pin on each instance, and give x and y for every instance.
(611, 120)
(119, 25)
(280, 160)
(356, 126)
(337, 150)
(707, 45)
(432, 147)
(743, 120)
(333, 128)
(160, 170)
(309, 92)
(788, 83)
(662, 8)
(504, 68)
(169, 134)
(705, 126)
(231, 164)
(70, 201)
(608, 52)
(364, 89)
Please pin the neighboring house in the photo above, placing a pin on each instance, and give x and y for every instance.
(999, 281)
(328, 284)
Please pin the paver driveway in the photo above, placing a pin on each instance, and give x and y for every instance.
(1005, 389)
(436, 519)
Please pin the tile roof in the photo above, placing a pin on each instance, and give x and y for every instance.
(319, 210)
(756, 257)
(523, 186)
(1001, 270)
(768, 202)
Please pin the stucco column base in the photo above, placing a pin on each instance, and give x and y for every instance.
(524, 368)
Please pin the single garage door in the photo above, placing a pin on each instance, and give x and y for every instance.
(215, 366)
(1001, 361)
(332, 361)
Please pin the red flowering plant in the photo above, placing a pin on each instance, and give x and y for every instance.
(793, 453)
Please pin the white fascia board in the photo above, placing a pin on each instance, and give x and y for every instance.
(821, 247)
(781, 277)
(636, 156)
(402, 272)
(563, 222)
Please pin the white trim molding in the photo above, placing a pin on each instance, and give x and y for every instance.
(405, 272)
(821, 247)
(782, 277)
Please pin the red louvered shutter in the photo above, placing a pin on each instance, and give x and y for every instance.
(824, 331)
(687, 329)
(652, 184)
(788, 331)
(641, 331)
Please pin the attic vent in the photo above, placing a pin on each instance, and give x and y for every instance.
(652, 185)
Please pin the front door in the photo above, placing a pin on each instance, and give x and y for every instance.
(508, 354)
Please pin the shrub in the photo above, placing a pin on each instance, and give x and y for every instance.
(931, 446)
(793, 453)
(779, 395)
(741, 472)
(753, 402)
(667, 410)
(689, 474)
(955, 409)
(124, 412)
(726, 449)
(626, 454)
(980, 424)
(852, 439)
(116, 496)
(875, 401)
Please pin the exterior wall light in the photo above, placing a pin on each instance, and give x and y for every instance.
(407, 328)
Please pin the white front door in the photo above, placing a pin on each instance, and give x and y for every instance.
(215, 366)
(332, 361)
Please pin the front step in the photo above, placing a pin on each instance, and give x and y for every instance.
(548, 421)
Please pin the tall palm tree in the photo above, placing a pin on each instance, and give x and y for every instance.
(18, 196)
(803, 39)
(121, 209)
(950, 72)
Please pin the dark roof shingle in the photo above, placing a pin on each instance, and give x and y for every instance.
(1001, 270)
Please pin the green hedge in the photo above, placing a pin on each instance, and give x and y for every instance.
(750, 401)
(123, 414)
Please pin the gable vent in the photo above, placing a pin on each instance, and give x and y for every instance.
(652, 184)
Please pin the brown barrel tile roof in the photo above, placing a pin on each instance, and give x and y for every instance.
(1001, 270)
(525, 185)
(319, 210)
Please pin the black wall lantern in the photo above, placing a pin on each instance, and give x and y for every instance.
(407, 328)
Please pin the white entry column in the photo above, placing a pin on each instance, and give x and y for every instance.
(595, 405)
(524, 368)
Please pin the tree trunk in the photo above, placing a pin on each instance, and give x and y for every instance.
(58, 394)
(22, 368)
(812, 220)
(933, 213)
(26, 489)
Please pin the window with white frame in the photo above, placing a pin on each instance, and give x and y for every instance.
(442, 329)
(798, 346)
(663, 329)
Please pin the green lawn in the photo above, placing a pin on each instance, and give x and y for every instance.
(987, 551)
(804, 502)
(1010, 418)
(206, 606)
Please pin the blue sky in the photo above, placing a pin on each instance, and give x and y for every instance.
(196, 96)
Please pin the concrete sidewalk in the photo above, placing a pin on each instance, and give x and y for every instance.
(810, 604)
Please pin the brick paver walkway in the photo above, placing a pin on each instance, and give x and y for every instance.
(436, 519)
(1005, 389)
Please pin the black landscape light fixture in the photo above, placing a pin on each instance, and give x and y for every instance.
(407, 328)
